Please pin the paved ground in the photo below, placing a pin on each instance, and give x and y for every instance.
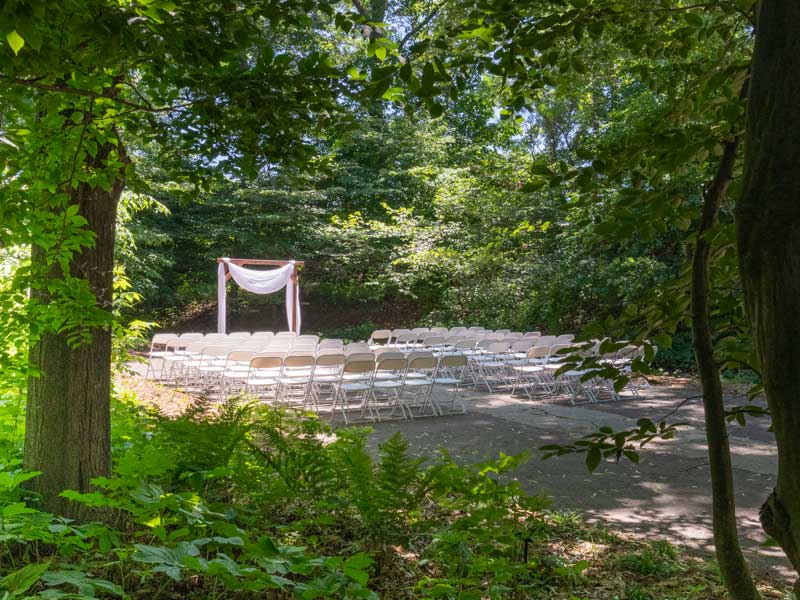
(666, 495)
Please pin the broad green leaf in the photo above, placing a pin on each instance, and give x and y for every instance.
(593, 457)
(20, 581)
(15, 41)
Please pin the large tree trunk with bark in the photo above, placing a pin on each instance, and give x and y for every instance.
(768, 231)
(68, 425)
(732, 565)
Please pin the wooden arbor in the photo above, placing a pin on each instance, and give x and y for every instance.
(273, 263)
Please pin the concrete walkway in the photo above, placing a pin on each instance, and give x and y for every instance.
(667, 495)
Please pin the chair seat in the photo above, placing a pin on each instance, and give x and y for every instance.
(387, 384)
(235, 374)
(354, 387)
(355, 376)
(294, 380)
(530, 369)
(446, 380)
(418, 382)
(262, 381)
(325, 378)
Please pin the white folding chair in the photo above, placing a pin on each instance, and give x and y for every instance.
(295, 380)
(327, 372)
(452, 374)
(158, 350)
(385, 389)
(353, 385)
(263, 375)
(237, 367)
(380, 337)
(418, 384)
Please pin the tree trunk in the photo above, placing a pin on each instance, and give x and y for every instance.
(68, 426)
(733, 568)
(768, 233)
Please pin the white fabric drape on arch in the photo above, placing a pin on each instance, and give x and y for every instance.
(258, 282)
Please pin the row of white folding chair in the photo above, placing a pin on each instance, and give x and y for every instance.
(496, 364)
(399, 383)
(178, 351)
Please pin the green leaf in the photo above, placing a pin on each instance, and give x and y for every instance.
(436, 109)
(593, 458)
(15, 41)
(21, 580)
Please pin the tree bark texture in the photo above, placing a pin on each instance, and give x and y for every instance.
(733, 567)
(68, 425)
(768, 234)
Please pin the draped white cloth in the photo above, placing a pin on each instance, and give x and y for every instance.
(258, 282)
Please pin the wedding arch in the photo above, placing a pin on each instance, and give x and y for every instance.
(259, 282)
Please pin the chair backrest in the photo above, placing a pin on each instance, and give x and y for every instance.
(514, 334)
(241, 356)
(195, 335)
(439, 330)
(533, 334)
(307, 336)
(273, 354)
(170, 344)
(360, 357)
(356, 347)
(358, 366)
(329, 351)
(546, 340)
(422, 362)
(391, 364)
(331, 360)
(522, 345)
(266, 362)
(284, 334)
(192, 347)
(304, 344)
(485, 343)
(263, 334)
(474, 329)
(465, 344)
(497, 347)
(382, 353)
(245, 334)
(220, 350)
(419, 354)
(420, 330)
(380, 335)
(503, 331)
(298, 360)
(556, 348)
(453, 361)
(330, 343)
(495, 336)
(434, 340)
(396, 332)
(161, 338)
(457, 330)
(564, 338)
(405, 337)
(539, 352)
